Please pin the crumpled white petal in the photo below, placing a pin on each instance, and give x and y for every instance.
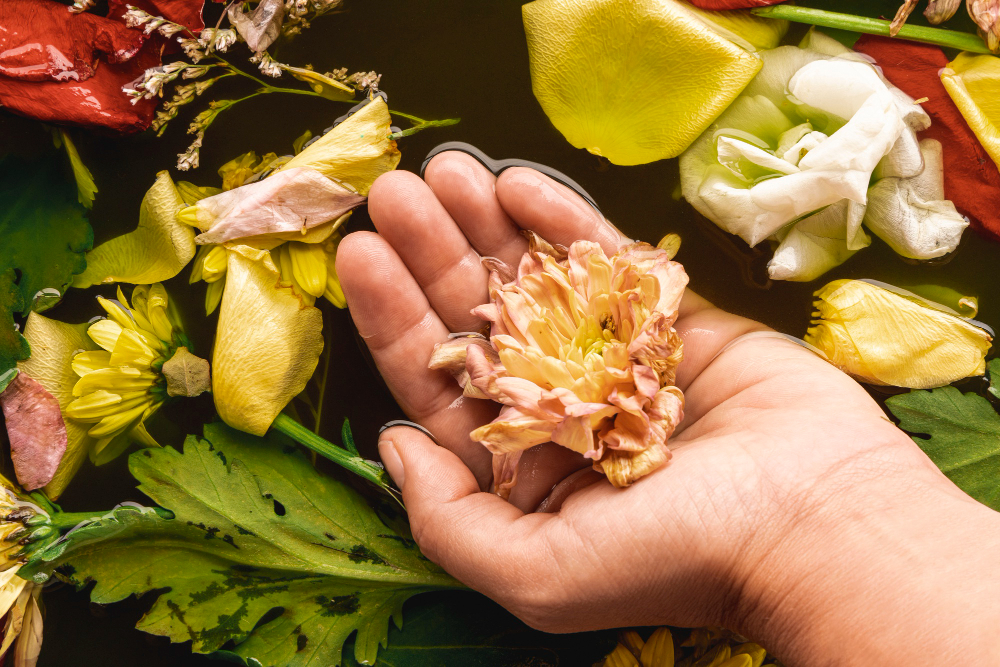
(817, 244)
(912, 215)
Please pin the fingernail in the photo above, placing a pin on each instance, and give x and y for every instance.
(390, 459)
(404, 422)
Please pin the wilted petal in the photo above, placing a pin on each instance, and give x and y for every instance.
(261, 26)
(623, 467)
(505, 468)
(355, 152)
(53, 345)
(267, 346)
(912, 215)
(973, 82)
(513, 431)
(892, 337)
(156, 250)
(293, 200)
(35, 429)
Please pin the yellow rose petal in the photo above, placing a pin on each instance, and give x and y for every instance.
(156, 250)
(889, 338)
(973, 82)
(634, 82)
(357, 151)
(267, 346)
(53, 344)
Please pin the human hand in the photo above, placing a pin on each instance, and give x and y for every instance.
(788, 497)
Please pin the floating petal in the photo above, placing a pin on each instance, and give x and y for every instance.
(156, 250)
(973, 82)
(267, 346)
(35, 429)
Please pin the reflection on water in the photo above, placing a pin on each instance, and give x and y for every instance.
(438, 59)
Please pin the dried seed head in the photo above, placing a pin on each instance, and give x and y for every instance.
(939, 11)
(986, 14)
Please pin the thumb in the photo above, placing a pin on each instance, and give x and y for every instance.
(477, 537)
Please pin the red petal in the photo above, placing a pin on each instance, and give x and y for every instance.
(76, 73)
(36, 431)
(41, 40)
(971, 178)
(733, 4)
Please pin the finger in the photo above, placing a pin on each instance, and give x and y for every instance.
(481, 540)
(400, 328)
(408, 215)
(540, 469)
(466, 189)
(553, 211)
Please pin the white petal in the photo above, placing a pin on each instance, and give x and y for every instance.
(837, 86)
(912, 215)
(731, 151)
(820, 242)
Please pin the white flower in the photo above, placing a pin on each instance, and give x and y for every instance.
(794, 158)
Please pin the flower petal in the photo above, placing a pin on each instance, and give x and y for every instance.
(53, 345)
(810, 248)
(623, 467)
(267, 346)
(888, 336)
(36, 431)
(294, 200)
(357, 151)
(156, 250)
(973, 82)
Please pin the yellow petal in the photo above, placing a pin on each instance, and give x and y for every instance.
(973, 82)
(192, 193)
(321, 84)
(94, 406)
(105, 333)
(113, 425)
(267, 346)
(743, 28)
(85, 362)
(213, 295)
(131, 350)
(357, 151)
(11, 586)
(634, 82)
(620, 657)
(156, 250)
(309, 267)
(889, 338)
(53, 345)
(333, 293)
(658, 651)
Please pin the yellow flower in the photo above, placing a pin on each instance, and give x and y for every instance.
(110, 376)
(705, 647)
(887, 336)
(973, 82)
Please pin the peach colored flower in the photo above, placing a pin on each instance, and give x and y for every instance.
(582, 352)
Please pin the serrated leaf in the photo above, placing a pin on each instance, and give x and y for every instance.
(963, 437)
(44, 235)
(469, 630)
(257, 532)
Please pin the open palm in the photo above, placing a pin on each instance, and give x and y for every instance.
(774, 439)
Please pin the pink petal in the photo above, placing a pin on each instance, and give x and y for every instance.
(36, 430)
(505, 473)
(293, 200)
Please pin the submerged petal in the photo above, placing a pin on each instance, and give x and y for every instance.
(53, 345)
(892, 337)
(290, 201)
(36, 431)
(156, 250)
(267, 346)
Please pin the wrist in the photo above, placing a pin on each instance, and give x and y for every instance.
(900, 570)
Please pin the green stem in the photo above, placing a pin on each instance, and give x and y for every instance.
(949, 38)
(359, 466)
(67, 520)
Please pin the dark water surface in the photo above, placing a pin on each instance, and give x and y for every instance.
(439, 59)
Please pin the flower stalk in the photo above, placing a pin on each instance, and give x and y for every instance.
(364, 468)
(947, 38)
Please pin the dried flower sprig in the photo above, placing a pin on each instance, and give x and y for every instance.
(204, 50)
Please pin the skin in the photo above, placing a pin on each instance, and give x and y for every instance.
(793, 511)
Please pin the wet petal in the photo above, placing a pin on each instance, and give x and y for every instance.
(156, 250)
(290, 201)
(35, 429)
(53, 345)
(892, 337)
(267, 346)
(973, 82)
(357, 151)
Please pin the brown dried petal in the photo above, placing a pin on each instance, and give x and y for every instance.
(939, 11)
(36, 430)
(901, 15)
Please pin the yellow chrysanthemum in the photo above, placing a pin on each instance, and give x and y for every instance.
(704, 647)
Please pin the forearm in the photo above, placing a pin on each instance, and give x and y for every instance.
(908, 577)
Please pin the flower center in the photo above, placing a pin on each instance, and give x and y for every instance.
(591, 337)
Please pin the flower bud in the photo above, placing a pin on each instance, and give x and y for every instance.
(986, 14)
(939, 11)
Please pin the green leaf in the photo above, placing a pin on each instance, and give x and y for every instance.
(45, 235)
(962, 437)
(461, 628)
(258, 537)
